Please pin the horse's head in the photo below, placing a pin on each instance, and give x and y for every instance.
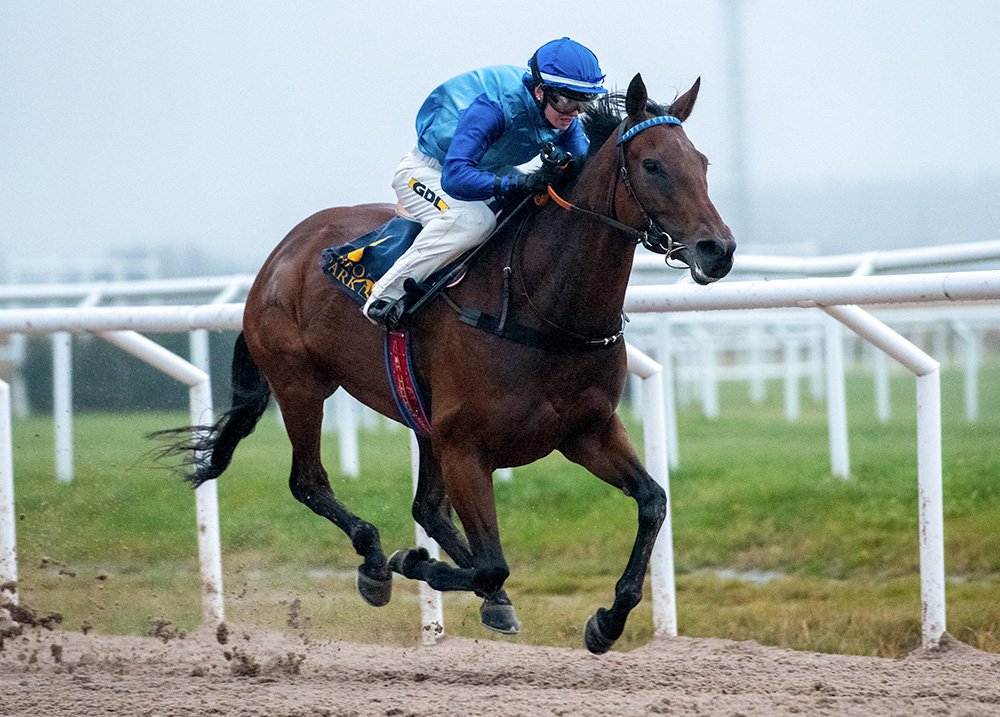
(667, 184)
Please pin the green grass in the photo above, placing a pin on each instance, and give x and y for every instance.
(116, 548)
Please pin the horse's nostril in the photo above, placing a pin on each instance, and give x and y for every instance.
(711, 249)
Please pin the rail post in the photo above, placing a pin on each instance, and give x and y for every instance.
(655, 455)
(8, 542)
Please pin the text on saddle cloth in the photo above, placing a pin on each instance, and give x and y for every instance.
(357, 265)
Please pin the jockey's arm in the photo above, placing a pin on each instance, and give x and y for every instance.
(478, 128)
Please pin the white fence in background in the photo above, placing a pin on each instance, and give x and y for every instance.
(835, 296)
(648, 268)
(757, 348)
(820, 343)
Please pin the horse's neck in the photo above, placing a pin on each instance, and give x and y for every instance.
(576, 268)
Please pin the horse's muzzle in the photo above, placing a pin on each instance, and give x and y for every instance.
(711, 259)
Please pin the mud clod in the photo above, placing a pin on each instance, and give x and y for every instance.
(242, 664)
(165, 630)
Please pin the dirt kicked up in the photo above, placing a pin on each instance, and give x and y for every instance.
(242, 671)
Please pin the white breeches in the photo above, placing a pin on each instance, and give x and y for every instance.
(450, 226)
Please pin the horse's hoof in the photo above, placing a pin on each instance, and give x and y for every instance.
(500, 618)
(594, 639)
(402, 561)
(373, 591)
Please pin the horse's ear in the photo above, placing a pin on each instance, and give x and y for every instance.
(682, 106)
(635, 98)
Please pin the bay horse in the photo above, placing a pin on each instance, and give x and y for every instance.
(495, 400)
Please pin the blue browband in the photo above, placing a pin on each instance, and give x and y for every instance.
(664, 119)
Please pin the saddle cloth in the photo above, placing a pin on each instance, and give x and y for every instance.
(357, 265)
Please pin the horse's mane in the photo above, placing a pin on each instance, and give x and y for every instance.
(603, 118)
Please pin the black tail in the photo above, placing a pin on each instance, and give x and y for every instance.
(209, 449)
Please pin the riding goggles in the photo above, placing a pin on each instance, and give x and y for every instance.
(568, 105)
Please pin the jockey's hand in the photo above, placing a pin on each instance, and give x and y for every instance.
(520, 185)
(538, 181)
(555, 162)
(555, 157)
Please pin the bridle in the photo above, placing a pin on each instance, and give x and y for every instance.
(653, 237)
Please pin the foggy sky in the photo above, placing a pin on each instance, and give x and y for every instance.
(221, 124)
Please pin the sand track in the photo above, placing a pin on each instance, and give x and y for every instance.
(248, 671)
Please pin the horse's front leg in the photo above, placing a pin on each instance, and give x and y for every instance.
(608, 454)
(432, 510)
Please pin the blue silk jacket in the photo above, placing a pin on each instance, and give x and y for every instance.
(482, 124)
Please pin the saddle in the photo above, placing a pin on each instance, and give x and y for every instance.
(358, 264)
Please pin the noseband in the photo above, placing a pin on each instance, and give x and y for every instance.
(653, 237)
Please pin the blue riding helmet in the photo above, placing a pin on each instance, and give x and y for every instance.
(568, 66)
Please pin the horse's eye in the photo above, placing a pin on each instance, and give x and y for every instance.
(652, 166)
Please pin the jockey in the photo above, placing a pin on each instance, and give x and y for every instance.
(471, 133)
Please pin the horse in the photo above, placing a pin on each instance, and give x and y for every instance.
(498, 398)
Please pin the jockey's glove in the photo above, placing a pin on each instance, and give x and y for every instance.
(538, 181)
(534, 183)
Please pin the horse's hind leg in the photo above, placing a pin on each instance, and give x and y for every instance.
(469, 486)
(302, 411)
(432, 510)
(609, 455)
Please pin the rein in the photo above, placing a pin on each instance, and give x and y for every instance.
(503, 327)
(652, 237)
(580, 339)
